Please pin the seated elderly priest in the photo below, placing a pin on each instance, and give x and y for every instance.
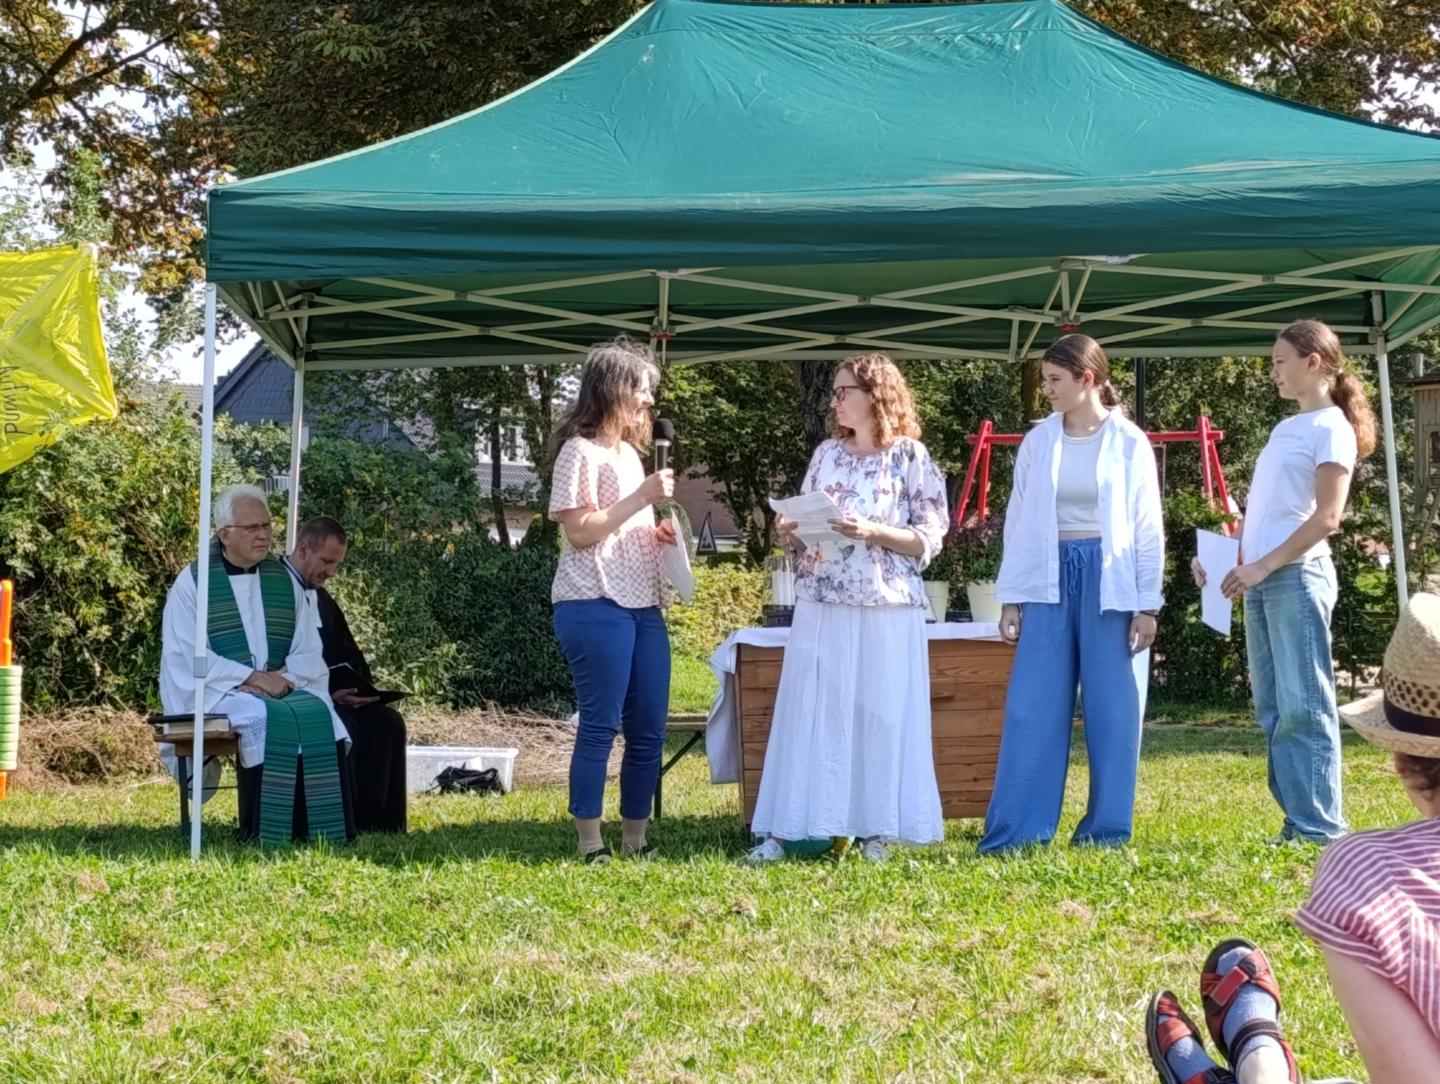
(377, 759)
(267, 673)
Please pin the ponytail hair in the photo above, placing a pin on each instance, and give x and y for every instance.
(1080, 354)
(1313, 337)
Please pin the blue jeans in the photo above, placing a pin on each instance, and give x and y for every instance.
(620, 660)
(1061, 645)
(1292, 677)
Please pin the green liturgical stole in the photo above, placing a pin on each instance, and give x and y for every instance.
(298, 721)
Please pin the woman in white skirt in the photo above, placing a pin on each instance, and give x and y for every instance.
(849, 751)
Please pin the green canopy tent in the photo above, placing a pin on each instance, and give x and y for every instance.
(792, 181)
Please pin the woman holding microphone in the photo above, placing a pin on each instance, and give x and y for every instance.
(849, 751)
(607, 589)
(1297, 499)
(1080, 582)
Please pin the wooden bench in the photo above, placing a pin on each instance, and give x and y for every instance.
(225, 744)
(694, 726)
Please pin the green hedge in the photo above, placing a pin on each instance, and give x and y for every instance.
(93, 530)
(727, 597)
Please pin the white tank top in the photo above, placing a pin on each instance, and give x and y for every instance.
(1077, 492)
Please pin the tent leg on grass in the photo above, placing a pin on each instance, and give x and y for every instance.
(202, 581)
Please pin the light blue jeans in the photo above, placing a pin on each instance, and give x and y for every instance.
(1292, 678)
(1061, 645)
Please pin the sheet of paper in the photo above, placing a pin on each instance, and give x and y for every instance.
(675, 564)
(812, 513)
(1218, 555)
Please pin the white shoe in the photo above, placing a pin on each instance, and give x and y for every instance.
(772, 850)
(874, 850)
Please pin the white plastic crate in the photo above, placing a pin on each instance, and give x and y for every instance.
(424, 762)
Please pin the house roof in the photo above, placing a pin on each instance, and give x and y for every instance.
(515, 478)
(192, 395)
(245, 373)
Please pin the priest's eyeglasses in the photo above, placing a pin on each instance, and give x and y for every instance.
(251, 528)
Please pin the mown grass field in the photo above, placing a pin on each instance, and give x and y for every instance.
(479, 948)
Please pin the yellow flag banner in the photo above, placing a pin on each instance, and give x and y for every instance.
(53, 371)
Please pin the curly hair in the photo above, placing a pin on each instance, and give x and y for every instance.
(892, 408)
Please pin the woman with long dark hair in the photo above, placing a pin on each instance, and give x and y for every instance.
(1297, 500)
(1081, 586)
(607, 589)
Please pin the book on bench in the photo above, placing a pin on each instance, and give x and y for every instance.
(345, 676)
(183, 725)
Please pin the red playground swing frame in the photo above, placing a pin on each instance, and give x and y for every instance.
(977, 474)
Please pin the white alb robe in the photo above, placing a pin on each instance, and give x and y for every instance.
(304, 665)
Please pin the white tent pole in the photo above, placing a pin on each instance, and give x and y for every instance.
(1392, 474)
(297, 425)
(202, 579)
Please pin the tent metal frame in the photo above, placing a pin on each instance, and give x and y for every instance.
(1147, 330)
(669, 325)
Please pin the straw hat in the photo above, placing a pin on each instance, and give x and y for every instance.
(1404, 715)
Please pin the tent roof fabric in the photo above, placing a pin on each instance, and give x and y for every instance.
(854, 150)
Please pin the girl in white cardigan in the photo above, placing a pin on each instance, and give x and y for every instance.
(1081, 588)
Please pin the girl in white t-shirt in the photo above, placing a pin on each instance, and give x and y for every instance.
(1297, 498)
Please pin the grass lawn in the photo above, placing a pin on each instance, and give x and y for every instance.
(478, 948)
(692, 685)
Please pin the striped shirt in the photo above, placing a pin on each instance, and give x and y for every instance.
(1376, 898)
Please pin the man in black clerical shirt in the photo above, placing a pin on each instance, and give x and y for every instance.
(377, 730)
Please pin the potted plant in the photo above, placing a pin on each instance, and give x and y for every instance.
(939, 574)
(978, 546)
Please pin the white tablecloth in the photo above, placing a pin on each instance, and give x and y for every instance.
(722, 735)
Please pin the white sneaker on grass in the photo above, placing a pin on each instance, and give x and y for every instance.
(772, 850)
(874, 850)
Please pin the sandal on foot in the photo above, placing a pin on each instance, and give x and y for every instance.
(1161, 1035)
(600, 856)
(1218, 992)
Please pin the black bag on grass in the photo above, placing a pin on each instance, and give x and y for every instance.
(457, 780)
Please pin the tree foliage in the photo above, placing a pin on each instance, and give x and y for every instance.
(739, 424)
(1368, 58)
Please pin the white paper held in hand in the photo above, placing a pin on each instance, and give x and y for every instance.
(1218, 554)
(675, 564)
(811, 513)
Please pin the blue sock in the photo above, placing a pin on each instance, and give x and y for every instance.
(1250, 1003)
(1187, 1057)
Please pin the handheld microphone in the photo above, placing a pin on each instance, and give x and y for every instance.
(663, 435)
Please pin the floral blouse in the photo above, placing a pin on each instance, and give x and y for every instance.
(899, 487)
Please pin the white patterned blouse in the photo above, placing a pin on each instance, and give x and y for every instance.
(899, 486)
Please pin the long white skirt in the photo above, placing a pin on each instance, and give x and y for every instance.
(849, 751)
